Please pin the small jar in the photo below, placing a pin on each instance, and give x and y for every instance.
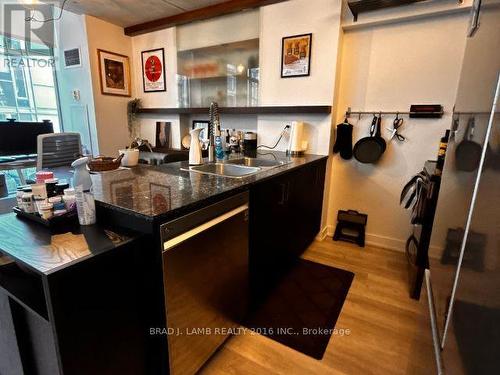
(39, 190)
(59, 212)
(27, 204)
(42, 176)
(51, 186)
(19, 196)
(69, 191)
(55, 199)
(59, 206)
(37, 202)
(45, 211)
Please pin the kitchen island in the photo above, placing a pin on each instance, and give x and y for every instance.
(103, 302)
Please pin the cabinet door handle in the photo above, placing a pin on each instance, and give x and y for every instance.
(283, 194)
(318, 176)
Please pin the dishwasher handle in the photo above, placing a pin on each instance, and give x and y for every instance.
(173, 242)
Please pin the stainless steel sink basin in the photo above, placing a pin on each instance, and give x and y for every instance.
(256, 162)
(225, 169)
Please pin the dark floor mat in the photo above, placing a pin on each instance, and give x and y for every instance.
(308, 297)
(478, 337)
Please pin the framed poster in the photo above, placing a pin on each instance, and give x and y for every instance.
(163, 134)
(296, 56)
(114, 73)
(153, 70)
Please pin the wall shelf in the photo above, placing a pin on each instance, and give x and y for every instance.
(310, 109)
(360, 6)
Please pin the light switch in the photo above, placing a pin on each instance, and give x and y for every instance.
(76, 95)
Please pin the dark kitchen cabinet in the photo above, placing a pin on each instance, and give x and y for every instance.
(305, 202)
(269, 228)
(285, 217)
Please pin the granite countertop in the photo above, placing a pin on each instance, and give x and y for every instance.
(145, 192)
(46, 251)
(162, 191)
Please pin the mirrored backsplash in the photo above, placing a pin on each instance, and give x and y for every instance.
(227, 74)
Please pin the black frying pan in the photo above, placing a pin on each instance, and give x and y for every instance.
(468, 152)
(368, 150)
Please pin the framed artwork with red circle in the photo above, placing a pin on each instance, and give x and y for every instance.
(153, 70)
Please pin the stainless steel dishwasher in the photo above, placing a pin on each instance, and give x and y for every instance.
(205, 266)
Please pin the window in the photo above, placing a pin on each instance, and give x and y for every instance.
(27, 84)
(27, 91)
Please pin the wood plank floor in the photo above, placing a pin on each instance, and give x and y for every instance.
(389, 332)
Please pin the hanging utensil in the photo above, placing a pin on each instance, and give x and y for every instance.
(369, 149)
(396, 124)
(343, 142)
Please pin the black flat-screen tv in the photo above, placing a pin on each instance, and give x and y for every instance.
(20, 138)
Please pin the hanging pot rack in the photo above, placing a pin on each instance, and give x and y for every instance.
(350, 112)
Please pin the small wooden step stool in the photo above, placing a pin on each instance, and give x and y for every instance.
(351, 227)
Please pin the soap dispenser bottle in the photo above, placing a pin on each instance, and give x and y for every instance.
(195, 147)
(81, 176)
(85, 203)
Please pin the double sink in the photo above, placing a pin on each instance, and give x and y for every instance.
(237, 168)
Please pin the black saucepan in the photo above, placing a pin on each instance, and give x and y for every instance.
(468, 152)
(368, 150)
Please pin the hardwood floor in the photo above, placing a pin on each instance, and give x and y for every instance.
(389, 332)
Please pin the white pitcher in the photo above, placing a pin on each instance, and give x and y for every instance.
(195, 147)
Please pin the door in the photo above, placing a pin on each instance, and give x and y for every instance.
(464, 244)
(306, 204)
(472, 332)
(270, 231)
(475, 95)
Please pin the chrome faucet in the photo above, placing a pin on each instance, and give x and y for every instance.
(213, 127)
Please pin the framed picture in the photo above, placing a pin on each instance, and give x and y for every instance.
(114, 73)
(161, 198)
(296, 56)
(202, 124)
(153, 70)
(163, 134)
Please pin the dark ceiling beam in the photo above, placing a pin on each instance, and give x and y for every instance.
(211, 11)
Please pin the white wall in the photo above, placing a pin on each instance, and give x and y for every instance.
(110, 111)
(159, 39)
(271, 23)
(389, 67)
(220, 30)
(165, 39)
(322, 19)
(77, 115)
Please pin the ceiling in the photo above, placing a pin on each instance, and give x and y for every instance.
(132, 12)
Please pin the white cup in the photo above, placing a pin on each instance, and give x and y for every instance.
(130, 158)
